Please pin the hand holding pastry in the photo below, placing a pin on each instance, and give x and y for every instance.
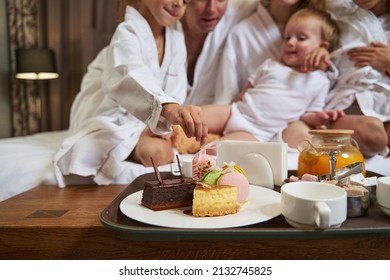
(189, 117)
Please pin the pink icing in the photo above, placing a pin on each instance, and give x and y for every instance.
(236, 179)
(202, 163)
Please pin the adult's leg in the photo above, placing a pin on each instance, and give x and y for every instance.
(152, 146)
(369, 132)
(295, 133)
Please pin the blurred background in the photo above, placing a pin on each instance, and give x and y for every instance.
(75, 31)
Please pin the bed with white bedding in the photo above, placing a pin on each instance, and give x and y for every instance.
(26, 162)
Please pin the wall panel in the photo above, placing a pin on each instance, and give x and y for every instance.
(76, 30)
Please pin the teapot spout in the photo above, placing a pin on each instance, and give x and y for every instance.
(350, 169)
(344, 172)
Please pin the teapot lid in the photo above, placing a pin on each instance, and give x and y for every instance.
(331, 132)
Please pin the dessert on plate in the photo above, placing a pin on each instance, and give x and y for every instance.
(220, 192)
(169, 193)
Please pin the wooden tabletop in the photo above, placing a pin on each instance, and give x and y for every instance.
(50, 206)
(52, 223)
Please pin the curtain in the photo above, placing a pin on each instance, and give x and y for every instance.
(76, 30)
(25, 100)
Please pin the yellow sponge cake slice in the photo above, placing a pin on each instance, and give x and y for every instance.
(216, 200)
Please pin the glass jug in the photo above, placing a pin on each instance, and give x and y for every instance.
(327, 147)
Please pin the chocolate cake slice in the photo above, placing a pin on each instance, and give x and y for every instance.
(168, 194)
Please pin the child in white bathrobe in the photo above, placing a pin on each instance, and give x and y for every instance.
(135, 99)
(363, 87)
(279, 92)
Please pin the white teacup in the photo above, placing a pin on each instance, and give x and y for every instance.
(186, 166)
(314, 205)
(383, 194)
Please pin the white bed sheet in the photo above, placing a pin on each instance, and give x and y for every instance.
(26, 162)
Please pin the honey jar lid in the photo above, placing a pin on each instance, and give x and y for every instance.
(331, 132)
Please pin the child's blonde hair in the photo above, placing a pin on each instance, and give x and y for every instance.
(330, 31)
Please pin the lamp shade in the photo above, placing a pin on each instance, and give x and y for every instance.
(35, 64)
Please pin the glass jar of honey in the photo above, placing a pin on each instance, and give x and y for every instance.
(315, 155)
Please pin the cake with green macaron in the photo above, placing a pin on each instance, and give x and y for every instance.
(220, 192)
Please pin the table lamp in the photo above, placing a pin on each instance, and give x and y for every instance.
(36, 64)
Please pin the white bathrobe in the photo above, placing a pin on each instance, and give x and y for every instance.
(368, 86)
(280, 95)
(122, 92)
(202, 91)
(249, 44)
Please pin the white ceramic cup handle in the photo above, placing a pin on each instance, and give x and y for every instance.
(175, 169)
(323, 214)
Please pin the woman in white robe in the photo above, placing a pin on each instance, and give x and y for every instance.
(279, 91)
(363, 90)
(251, 42)
(130, 86)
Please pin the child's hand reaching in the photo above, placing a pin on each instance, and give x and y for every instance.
(189, 117)
(317, 59)
(316, 119)
(377, 56)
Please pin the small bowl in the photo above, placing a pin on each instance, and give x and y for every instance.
(372, 190)
(357, 205)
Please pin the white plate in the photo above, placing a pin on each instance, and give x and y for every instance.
(263, 204)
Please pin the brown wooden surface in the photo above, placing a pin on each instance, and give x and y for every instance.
(51, 223)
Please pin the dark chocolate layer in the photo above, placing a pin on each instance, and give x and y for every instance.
(173, 193)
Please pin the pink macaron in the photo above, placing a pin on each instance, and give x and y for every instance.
(236, 179)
